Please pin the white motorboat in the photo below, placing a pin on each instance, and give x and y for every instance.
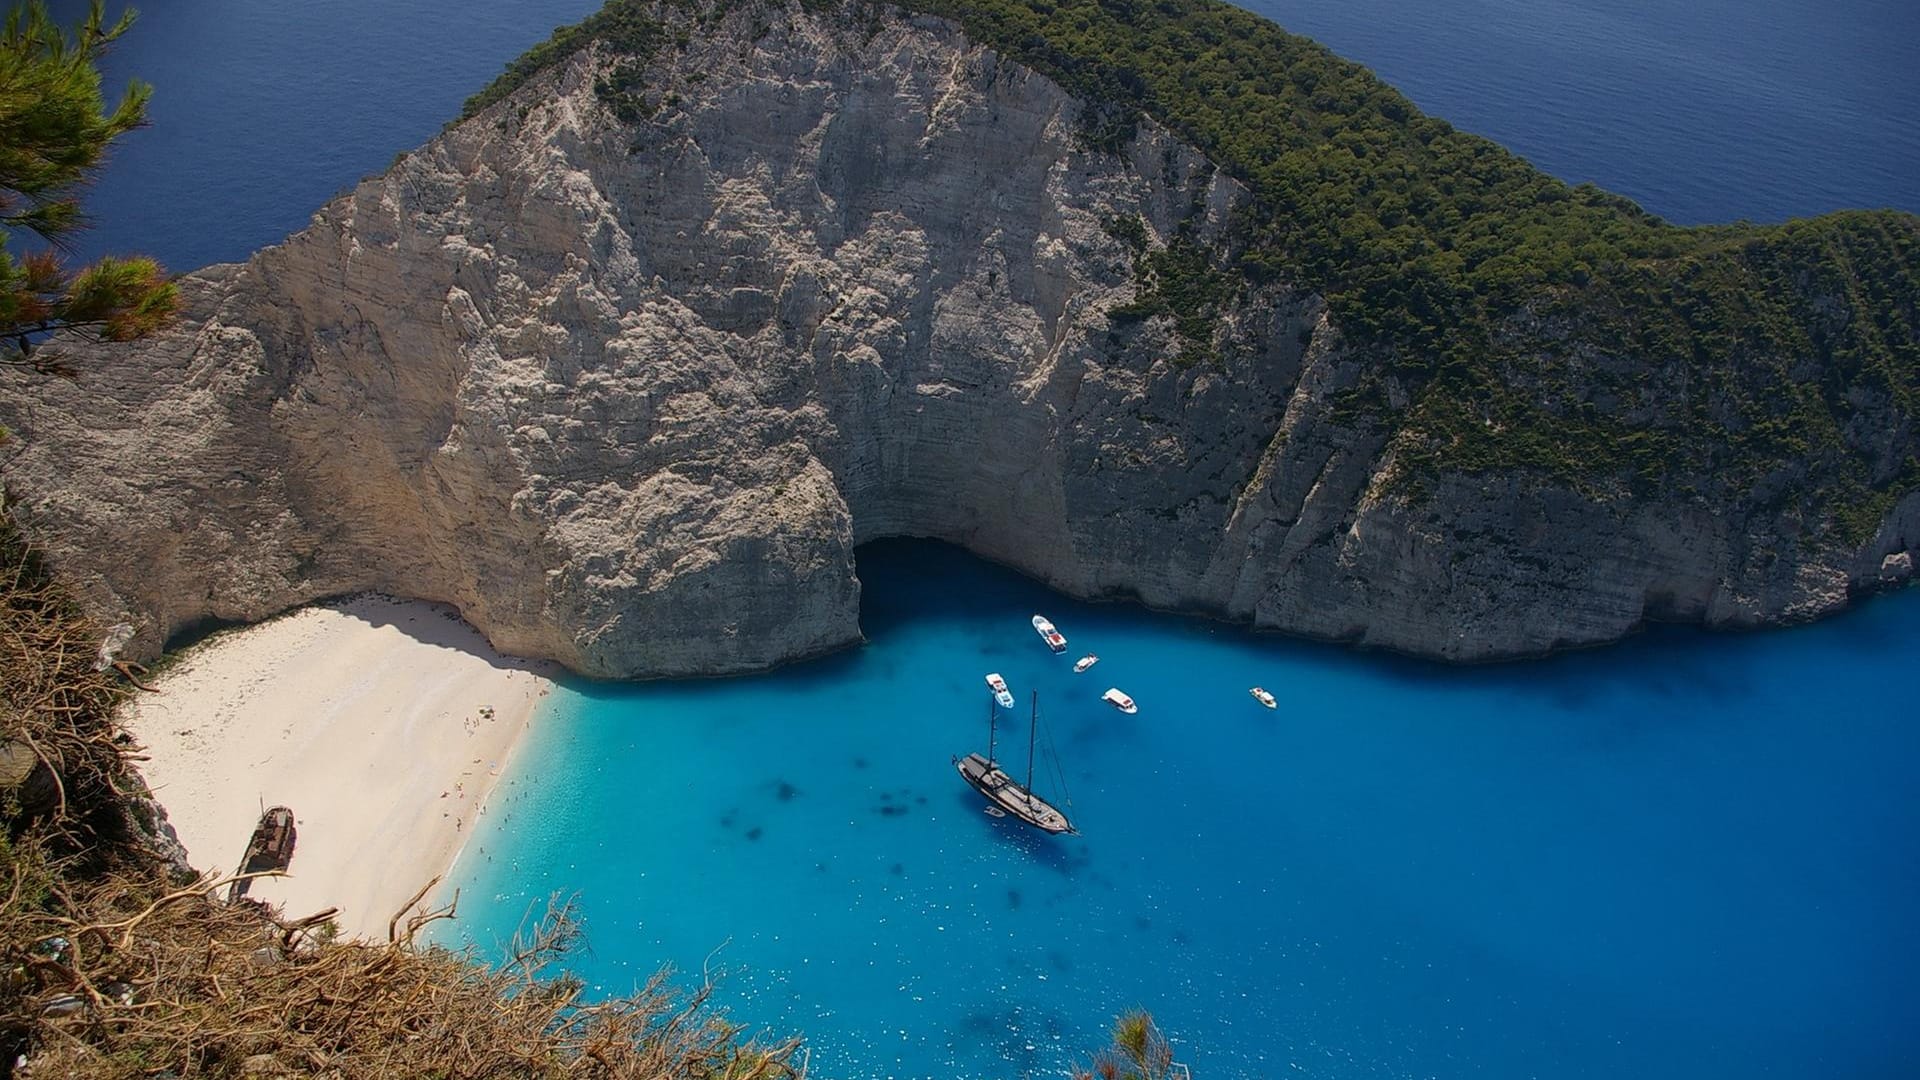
(1263, 697)
(1000, 692)
(1119, 700)
(1084, 663)
(1055, 639)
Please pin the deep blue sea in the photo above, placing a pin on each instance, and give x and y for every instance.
(1689, 856)
(265, 109)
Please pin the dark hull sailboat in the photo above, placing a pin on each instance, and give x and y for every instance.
(1006, 794)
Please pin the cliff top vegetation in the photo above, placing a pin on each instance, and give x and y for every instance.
(1513, 321)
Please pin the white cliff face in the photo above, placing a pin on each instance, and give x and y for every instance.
(629, 395)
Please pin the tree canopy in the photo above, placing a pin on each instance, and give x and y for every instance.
(55, 128)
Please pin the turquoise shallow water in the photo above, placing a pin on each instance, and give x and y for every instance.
(1688, 856)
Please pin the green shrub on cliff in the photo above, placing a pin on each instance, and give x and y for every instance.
(625, 27)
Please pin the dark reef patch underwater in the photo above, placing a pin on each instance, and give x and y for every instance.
(1684, 856)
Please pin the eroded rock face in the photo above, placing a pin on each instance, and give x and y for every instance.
(629, 395)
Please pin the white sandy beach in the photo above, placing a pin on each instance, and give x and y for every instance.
(382, 723)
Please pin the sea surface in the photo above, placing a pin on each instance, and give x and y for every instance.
(1691, 855)
(1688, 856)
(263, 110)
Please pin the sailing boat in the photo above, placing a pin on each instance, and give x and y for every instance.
(1003, 792)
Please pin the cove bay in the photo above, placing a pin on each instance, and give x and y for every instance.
(1685, 855)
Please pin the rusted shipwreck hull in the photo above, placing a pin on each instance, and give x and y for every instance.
(271, 848)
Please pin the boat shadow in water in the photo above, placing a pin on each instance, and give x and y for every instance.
(1065, 855)
(1090, 735)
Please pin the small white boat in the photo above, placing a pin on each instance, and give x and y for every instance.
(1262, 697)
(1000, 692)
(1119, 700)
(1055, 639)
(1085, 662)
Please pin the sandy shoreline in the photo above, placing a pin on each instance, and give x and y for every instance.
(382, 723)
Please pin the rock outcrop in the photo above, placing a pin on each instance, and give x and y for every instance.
(629, 394)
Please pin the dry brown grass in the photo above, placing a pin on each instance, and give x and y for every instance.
(57, 709)
(198, 987)
(112, 965)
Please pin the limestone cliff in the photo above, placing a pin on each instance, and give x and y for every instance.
(628, 387)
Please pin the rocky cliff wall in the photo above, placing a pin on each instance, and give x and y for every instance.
(629, 394)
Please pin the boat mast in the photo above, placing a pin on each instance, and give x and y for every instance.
(1033, 725)
(990, 712)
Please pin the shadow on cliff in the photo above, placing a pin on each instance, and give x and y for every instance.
(429, 623)
(907, 581)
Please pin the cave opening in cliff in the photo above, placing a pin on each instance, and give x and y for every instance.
(197, 631)
(905, 581)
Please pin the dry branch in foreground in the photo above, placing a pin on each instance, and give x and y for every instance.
(116, 964)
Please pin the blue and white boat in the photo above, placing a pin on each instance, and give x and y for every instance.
(1000, 692)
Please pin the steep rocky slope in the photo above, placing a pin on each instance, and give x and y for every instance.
(627, 363)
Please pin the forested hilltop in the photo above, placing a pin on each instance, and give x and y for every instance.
(1529, 323)
(1516, 321)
